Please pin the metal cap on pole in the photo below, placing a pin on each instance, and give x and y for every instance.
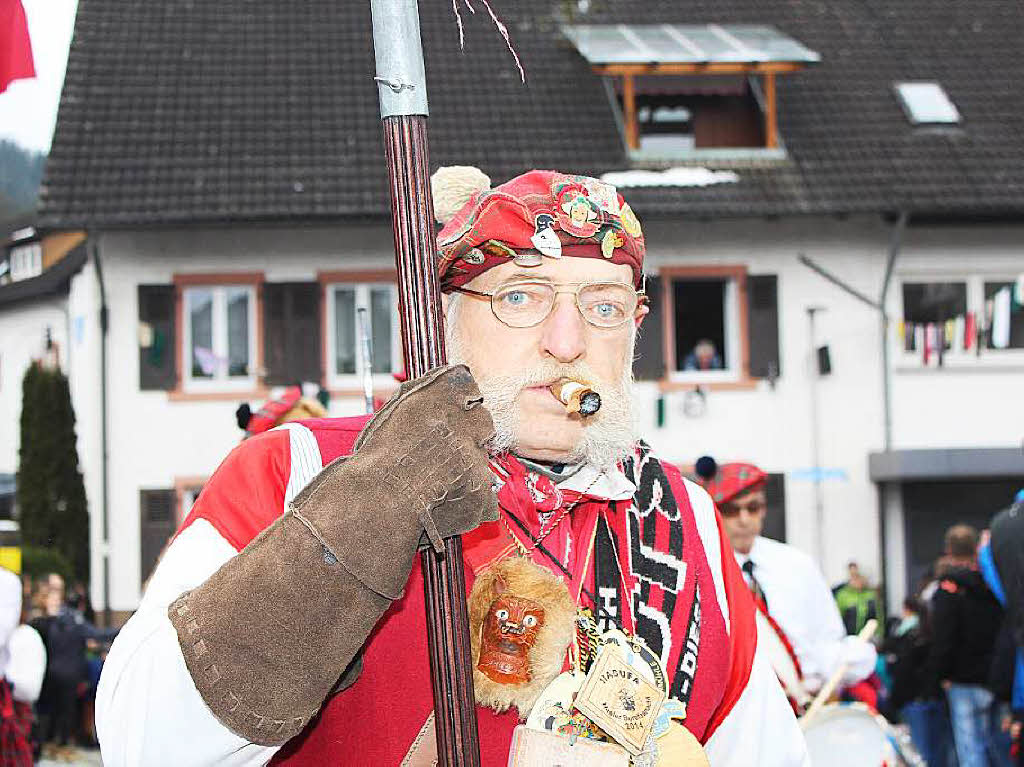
(398, 53)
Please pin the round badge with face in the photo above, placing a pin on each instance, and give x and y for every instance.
(578, 215)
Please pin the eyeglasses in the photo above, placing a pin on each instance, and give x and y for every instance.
(528, 303)
(733, 509)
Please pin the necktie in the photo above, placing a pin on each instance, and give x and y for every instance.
(755, 587)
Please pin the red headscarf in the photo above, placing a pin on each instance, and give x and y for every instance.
(733, 480)
(541, 213)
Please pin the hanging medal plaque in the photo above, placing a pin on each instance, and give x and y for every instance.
(619, 700)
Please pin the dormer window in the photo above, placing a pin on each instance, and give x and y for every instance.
(687, 88)
(926, 103)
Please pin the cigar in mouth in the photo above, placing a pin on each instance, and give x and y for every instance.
(577, 397)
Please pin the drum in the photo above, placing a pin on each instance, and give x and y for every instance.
(851, 735)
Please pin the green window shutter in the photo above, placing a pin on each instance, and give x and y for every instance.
(157, 523)
(291, 333)
(649, 356)
(763, 318)
(157, 338)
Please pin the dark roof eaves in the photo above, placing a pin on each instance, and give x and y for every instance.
(53, 281)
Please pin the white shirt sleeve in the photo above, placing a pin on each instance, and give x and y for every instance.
(148, 711)
(27, 664)
(10, 606)
(824, 646)
(761, 728)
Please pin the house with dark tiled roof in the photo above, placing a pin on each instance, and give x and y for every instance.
(832, 195)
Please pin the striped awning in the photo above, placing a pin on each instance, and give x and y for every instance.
(602, 44)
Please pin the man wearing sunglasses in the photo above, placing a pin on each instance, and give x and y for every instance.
(787, 585)
(289, 610)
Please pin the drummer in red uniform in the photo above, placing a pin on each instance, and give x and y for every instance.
(788, 586)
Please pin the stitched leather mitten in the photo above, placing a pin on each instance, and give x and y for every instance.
(268, 636)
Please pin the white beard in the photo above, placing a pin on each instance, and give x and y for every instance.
(608, 436)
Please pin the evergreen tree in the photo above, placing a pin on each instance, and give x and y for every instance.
(51, 494)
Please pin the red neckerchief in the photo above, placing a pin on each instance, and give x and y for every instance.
(535, 500)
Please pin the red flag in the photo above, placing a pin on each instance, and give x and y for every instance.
(15, 45)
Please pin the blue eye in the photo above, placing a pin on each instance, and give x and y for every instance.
(516, 297)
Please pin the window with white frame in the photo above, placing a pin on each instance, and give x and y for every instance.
(705, 322)
(962, 319)
(26, 261)
(1004, 313)
(377, 303)
(219, 336)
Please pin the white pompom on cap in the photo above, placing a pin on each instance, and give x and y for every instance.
(453, 186)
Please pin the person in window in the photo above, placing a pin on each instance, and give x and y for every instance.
(703, 357)
(786, 583)
(286, 621)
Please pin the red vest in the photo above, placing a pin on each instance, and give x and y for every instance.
(376, 720)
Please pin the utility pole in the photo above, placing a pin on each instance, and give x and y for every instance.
(819, 502)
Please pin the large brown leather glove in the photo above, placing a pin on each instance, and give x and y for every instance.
(329, 568)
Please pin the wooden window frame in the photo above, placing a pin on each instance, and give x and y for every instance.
(217, 279)
(768, 71)
(675, 380)
(384, 385)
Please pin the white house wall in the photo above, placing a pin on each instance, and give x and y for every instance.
(772, 428)
(982, 404)
(154, 440)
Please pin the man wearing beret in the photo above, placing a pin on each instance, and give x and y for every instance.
(286, 624)
(786, 583)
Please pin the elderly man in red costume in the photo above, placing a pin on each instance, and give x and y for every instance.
(285, 623)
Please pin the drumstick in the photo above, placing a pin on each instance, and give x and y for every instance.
(833, 681)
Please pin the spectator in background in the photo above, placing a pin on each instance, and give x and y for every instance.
(703, 357)
(15, 717)
(913, 698)
(1001, 561)
(68, 638)
(858, 601)
(965, 621)
(26, 666)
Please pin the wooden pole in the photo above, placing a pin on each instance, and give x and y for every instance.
(629, 112)
(833, 681)
(403, 102)
(771, 128)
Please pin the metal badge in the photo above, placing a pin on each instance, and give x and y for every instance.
(547, 242)
(528, 259)
(620, 701)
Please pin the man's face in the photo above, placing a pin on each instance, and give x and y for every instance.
(743, 518)
(514, 366)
